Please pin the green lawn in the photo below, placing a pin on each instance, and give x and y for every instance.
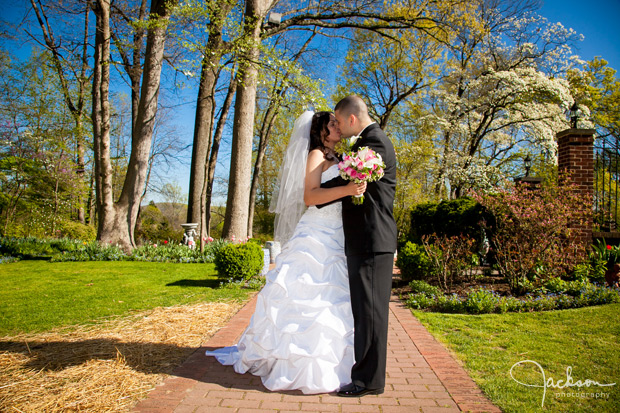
(38, 295)
(587, 340)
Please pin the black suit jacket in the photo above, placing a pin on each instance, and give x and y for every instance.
(370, 227)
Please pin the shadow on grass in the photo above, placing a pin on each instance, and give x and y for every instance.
(195, 283)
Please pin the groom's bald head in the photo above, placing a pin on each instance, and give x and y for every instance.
(352, 115)
(352, 105)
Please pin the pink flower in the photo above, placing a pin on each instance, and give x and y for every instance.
(155, 245)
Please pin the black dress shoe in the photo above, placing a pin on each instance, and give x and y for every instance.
(353, 390)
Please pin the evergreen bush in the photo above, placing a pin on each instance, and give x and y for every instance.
(461, 216)
(239, 261)
(414, 263)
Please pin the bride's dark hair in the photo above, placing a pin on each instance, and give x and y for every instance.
(319, 131)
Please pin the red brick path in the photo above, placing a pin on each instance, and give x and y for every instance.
(421, 377)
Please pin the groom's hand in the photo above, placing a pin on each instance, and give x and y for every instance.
(332, 183)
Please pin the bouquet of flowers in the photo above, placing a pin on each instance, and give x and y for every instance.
(364, 165)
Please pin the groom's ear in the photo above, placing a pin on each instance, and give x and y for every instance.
(352, 120)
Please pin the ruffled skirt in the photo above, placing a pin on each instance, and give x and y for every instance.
(301, 334)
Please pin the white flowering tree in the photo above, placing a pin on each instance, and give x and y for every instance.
(501, 95)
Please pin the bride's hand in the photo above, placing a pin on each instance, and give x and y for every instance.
(356, 189)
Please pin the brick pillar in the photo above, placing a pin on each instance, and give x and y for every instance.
(576, 157)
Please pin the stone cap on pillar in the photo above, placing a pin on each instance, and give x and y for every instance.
(578, 133)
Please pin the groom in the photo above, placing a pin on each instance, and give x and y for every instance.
(370, 242)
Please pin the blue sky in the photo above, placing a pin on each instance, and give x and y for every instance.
(596, 20)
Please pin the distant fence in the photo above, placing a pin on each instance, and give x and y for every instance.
(606, 177)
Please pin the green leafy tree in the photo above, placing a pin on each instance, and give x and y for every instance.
(596, 88)
(37, 170)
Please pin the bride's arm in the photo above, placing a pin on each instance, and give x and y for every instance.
(314, 194)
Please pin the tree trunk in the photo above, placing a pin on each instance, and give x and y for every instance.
(217, 138)
(204, 115)
(237, 205)
(101, 124)
(81, 138)
(142, 134)
(135, 71)
(202, 138)
(117, 221)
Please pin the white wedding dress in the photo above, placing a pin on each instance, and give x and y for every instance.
(301, 334)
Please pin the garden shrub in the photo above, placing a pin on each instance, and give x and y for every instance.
(555, 285)
(592, 270)
(509, 305)
(29, 247)
(92, 251)
(239, 261)
(539, 303)
(420, 301)
(532, 231)
(419, 286)
(575, 288)
(449, 217)
(77, 231)
(450, 257)
(413, 262)
(592, 294)
(65, 249)
(449, 304)
(168, 252)
(480, 301)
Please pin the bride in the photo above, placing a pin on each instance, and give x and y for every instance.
(301, 334)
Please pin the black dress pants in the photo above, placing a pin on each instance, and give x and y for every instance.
(370, 280)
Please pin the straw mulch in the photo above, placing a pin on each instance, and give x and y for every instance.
(105, 367)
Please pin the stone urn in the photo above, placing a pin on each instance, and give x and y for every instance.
(189, 237)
